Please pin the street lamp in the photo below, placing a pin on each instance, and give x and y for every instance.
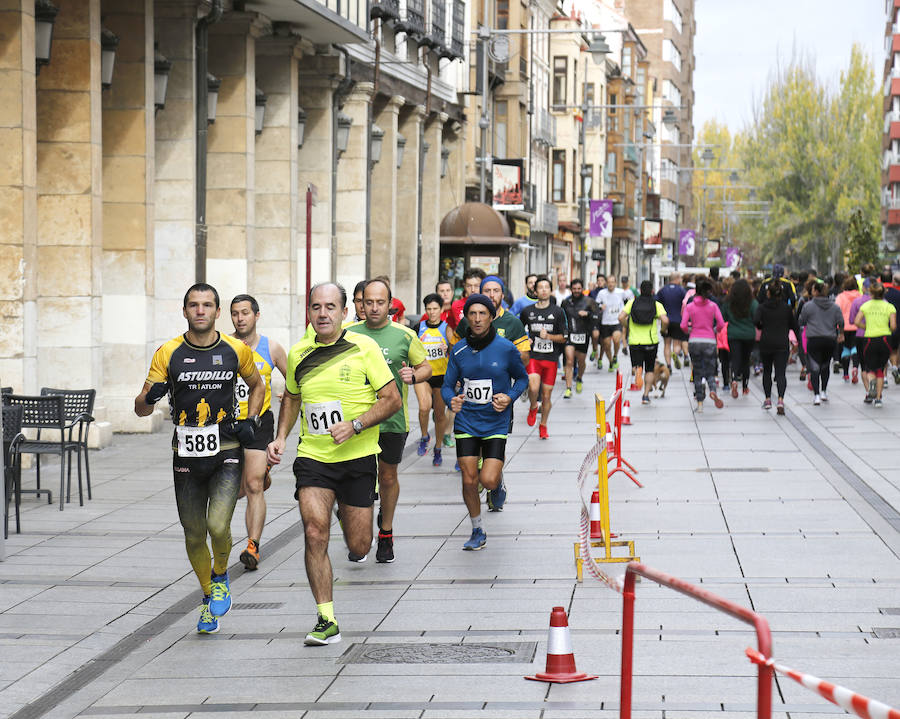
(212, 97)
(44, 17)
(375, 144)
(301, 126)
(401, 147)
(109, 41)
(259, 117)
(445, 160)
(342, 140)
(161, 69)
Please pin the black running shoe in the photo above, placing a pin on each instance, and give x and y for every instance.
(385, 552)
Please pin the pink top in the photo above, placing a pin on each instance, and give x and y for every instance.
(845, 301)
(703, 317)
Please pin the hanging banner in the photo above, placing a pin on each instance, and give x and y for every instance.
(652, 234)
(601, 218)
(732, 257)
(507, 185)
(687, 242)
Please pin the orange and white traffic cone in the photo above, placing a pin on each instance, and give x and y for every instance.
(560, 658)
(596, 522)
(626, 412)
(610, 441)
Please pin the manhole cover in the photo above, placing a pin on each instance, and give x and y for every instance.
(886, 632)
(258, 605)
(495, 653)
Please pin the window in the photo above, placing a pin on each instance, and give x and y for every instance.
(671, 54)
(641, 82)
(611, 170)
(626, 61)
(613, 125)
(560, 70)
(500, 128)
(672, 13)
(502, 14)
(559, 175)
(667, 209)
(671, 92)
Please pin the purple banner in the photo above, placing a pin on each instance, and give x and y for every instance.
(601, 218)
(732, 257)
(687, 242)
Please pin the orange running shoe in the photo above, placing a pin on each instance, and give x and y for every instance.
(542, 432)
(532, 416)
(250, 556)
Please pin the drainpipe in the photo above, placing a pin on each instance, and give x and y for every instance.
(202, 113)
(337, 101)
(419, 213)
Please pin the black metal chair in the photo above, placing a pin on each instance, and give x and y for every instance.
(78, 408)
(44, 413)
(12, 464)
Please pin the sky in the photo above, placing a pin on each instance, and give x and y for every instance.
(738, 46)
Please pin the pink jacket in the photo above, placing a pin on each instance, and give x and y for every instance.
(845, 301)
(703, 317)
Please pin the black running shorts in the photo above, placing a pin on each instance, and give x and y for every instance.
(352, 481)
(485, 447)
(266, 432)
(392, 444)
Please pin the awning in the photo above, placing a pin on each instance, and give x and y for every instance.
(567, 226)
(520, 228)
(479, 240)
(475, 223)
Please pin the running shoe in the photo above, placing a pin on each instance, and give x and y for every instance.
(208, 624)
(532, 415)
(325, 632)
(593, 355)
(855, 376)
(385, 552)
(496, 498)
(599, 363)
(699, 408)
(542, 432)
(823, 395)
(250, 556)
(687, 361)
(734, 389)
(625, 351)
(817, 400)
(716, 401)
(868, 399)
(578, 385)
(611, 368)
(896, 374)
(438, 459)
(779, 408)
(836, 367)
(746, 391)
(757, 370)
(456, 466)
(449, 440)
(476, 541)
(219, 595)
(568, 393)
(847, 378)
(645, 399)
(677, 362)
(877, 403)
(767, 403)
(872, 388)
(354, 557)
(422, 449)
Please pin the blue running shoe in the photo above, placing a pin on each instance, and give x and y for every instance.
(219, 595)
(208, 624)
(423, 445)
(476, 541)
(456, 466)
(497, 497)
(438, 459)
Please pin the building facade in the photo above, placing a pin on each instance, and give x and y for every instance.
(890, 176)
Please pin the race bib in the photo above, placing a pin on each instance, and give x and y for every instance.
(197, 441)
(435, 351)
(578, 339)
(322, 416)
(241, 390)
(478, 391)
(543, 346)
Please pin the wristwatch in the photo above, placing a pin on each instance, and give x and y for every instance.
(256, 420)
(357, 426)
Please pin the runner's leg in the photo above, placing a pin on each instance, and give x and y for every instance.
(252, 483)
(315, 511)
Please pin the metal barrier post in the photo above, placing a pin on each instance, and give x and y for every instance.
(627, 646)
(618, 439)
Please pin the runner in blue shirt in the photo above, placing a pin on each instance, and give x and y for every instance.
(484, 377)
(671, 298)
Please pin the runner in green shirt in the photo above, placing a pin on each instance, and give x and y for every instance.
(642, 314)
(405, 355)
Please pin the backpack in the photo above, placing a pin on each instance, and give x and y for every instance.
(643, 311)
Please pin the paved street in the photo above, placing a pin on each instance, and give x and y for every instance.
(795, 517)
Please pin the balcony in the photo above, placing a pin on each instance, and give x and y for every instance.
(547, 219)
(631, 154)
(414, 22)
(889, 117)
(891, 203)
(385, 9)
(890, 159)
(545, 128)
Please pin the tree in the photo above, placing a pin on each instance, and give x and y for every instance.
(862, 243)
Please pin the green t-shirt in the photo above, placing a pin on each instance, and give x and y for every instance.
(399, 344)
(644, 334)
(336, 381)
(877, 314)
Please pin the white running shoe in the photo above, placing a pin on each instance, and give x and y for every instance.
(824, 396)
(817, 400)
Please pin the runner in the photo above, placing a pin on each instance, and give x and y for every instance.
(199, 371)
(823, 323)
(546, 324)
(776, 320)
(405, 356)
(611, 302)
(267, 354)
(529, 298)
(700, 319)
(484, 377)
(595, 329)
(358, 312)
(343, 385)
(472, 279)
(738, 309)
(879, 319)
(507, 324)
(444, 289)
(433, 334)
(642, 314)
(892, 295)
(671, 296)
(582, 314)
(850, 351)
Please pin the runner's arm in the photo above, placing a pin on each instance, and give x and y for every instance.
(387, 403)
(287, 418)
(257, 392)
(141, 407)
(279, 357)
(520, 377)
(158, 374)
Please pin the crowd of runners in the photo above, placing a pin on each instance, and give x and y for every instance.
(468, 359)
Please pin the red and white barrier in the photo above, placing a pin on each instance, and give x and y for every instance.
(596, 521)
(626, 413)
(560, 668)
(846, 699)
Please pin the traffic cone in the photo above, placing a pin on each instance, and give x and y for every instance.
(596, 522)
(610, 441)
(626, 412)
(560, 658)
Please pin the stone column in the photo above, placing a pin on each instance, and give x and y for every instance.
(273, 264)
(231, 206)
(383, 222)
(352, 179)
(128, 170)
(319, 76)
(18, 197)
(411, 119)
(69, 203)
(431, 202)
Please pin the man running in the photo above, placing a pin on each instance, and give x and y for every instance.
(267, 354)
(507, 324)
(484, 377)
(406, 358)
(345, 388)
(642, 314)
(611, 302)
(529, 298)
(581, 314)
(433, 334)
(199, 371)
(472, 279)
(675, 343)
(546, 324)
(444, 289)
